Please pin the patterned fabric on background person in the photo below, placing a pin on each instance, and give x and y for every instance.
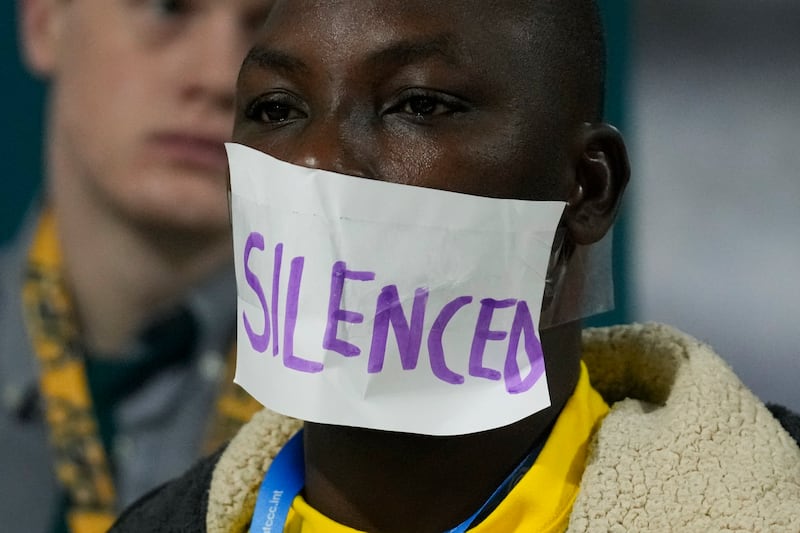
(79, 390)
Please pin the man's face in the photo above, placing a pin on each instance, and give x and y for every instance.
(438, 94)
(143, 101)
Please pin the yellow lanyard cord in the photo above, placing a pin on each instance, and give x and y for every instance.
(81, 465)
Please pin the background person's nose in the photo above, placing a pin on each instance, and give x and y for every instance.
(212, 58)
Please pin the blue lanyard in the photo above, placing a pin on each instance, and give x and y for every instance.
(285, 479)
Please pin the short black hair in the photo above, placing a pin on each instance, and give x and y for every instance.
(570, 34)
(581, 33)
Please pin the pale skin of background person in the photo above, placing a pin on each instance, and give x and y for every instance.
(141, 100)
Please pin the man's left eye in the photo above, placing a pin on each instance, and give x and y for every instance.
(422, 106)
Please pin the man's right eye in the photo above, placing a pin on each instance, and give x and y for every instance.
(273, 111)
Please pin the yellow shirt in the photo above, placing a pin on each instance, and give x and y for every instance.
(543, 498)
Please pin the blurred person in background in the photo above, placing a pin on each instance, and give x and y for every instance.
(116, 298)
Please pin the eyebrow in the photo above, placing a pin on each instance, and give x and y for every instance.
(270, 59)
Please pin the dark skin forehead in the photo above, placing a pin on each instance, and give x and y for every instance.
(346, 18)
(484, 50)
(498, 38)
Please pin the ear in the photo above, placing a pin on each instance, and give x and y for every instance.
(601, 172)
(40, 24)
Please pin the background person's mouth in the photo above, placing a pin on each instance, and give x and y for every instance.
(201, 152)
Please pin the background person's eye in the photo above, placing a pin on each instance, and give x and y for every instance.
(167, 8)
(158, 21)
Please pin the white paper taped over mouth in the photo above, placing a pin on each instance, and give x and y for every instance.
(385, 306)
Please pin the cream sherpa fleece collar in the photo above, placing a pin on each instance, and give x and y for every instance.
(238, 475)
(696, 451)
